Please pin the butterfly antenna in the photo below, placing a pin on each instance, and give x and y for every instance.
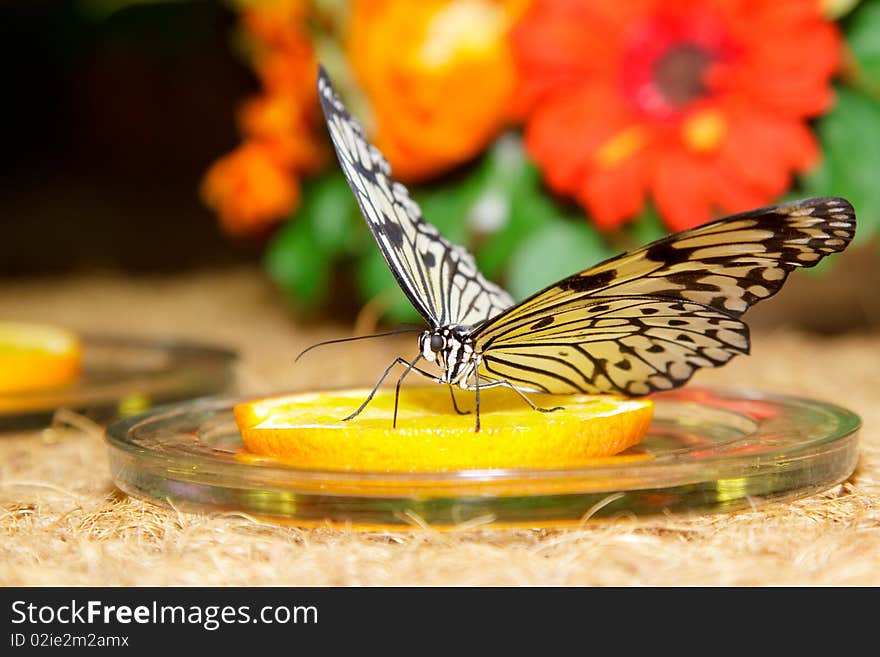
(357, 337)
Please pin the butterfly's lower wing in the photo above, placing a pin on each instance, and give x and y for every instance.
(631, 345)
(440, 279)
(647, 320)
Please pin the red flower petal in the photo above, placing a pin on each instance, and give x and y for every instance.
(763, 67)
(681, 188)
(564, 134)
(762, 150)
(614, 195)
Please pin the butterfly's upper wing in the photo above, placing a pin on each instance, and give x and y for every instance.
(646, 320)
(439, 278)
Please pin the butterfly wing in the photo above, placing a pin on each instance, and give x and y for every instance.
(628, 345)
(440, 279)
(648, 319)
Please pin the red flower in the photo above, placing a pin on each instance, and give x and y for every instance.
(700, 103)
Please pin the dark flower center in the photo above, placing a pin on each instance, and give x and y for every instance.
(678, 74)
(665, 60)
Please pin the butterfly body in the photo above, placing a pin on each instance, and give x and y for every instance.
(643, 321)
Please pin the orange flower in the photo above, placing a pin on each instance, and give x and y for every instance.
(250, 188)
(438, 75)
(700, 103)
(279, 24)
(258, 184)
(289, 71)
(285, 121)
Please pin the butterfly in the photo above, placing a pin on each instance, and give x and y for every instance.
(641, 322)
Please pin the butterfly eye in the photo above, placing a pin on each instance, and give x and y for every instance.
(437, 342)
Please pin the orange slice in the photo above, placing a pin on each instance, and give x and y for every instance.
(307, 430)
(37, 356)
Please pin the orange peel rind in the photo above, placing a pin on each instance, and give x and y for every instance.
(306, 430)
(37, 356)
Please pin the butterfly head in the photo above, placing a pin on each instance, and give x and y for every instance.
(432, 344)
(451, 348)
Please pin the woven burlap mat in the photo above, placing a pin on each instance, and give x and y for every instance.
(63, 523)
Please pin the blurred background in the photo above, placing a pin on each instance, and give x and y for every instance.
(175, 136)
(113, 113)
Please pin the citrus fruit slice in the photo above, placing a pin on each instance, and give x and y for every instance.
(37, 356)
(307, 430)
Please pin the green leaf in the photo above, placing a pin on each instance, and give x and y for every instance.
(558, 251)
(850, 137)
(861, 36)
(297, 266)
(375, 282)
(530, 211)
(329, 207)
(516, 183)
(301, 254)
(648, 227)
(445, 206)
(506, 165)
(836, 9)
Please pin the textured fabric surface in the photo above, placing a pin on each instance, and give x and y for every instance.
(62, 522)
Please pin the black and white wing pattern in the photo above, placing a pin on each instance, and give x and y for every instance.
(647, 320)
(440, 279)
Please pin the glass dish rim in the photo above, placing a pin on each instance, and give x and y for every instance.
(116, 434)
(116, 384)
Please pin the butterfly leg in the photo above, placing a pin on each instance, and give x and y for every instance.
(455, 403)
(408, 369)
(477, 403)
(508, 384)
(410, 366)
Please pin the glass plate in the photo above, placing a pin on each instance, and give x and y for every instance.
(123, 376)
(706, 451)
